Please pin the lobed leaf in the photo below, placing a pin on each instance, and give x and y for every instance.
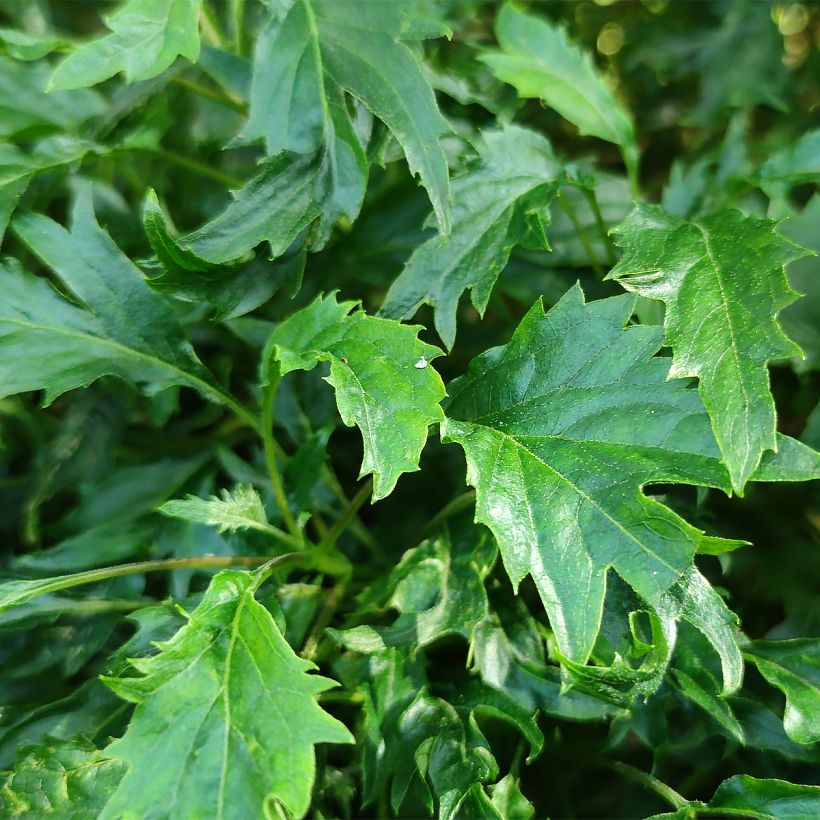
(213, 733)
(723, 284)
(381, 374)
(500, 203)
(146, 37)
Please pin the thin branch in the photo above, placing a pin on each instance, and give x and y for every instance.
(569, 210)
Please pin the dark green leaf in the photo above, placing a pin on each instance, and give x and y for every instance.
(504, 201)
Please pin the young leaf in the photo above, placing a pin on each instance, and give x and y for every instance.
(70, 779)
(240, 509)
(547, 425)
(723, 284)
(214, 733)
(703, 691)
(146, 37)
(381, 373)
(127, 330)
(502, 202)
(793, 666)
(312, 50)
(539, 61)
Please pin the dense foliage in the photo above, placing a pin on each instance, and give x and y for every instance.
(272, 550)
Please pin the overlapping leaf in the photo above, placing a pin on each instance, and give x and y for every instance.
(537, 58)
(126, 329)
(214, 732)
(438, 590)
(69, 779)
(502, 202)
(146, 37)
(381, 373)
(548, 426)
(309, 53)
(723, 283)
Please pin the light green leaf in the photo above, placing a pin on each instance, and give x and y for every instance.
(500, 203)
(438, 590)
(537, 58)
(381, 373)
(309, 52)
(67, 779)
(798, 163)
(214, 732)
(793, 666)
(767, 799)
(547, 425)
(237, 510)
(125, 328)
(146, 37)
(25, 46)
(723, 284)
(508, 800)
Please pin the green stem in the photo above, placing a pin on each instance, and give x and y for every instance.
(196, 167)
(237, 17)
(599, 222)
(357, 529)
(268, 401)
(459, 503)
(92, 576)
(663, 791)
(335, 598)
(210, 27)
(210, 94)
(344, 520)
(569, 210)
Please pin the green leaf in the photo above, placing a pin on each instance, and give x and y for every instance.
(25, 46)
(238, 510)
(18, 169)
(275, 206)
(381, 373)
(500, 203)
(67, 779)
(125, 328)
(799, 319)
(438, 590)
(226, 718)
(547, 425)
(509, 801)
(146, 37)
(703, 691)
(537, 58)
(723, 284)
(793, 666)
(308, 54)
(693, 599)
(27, 109)
(766, 799)
(428, 748)
(509, 654)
